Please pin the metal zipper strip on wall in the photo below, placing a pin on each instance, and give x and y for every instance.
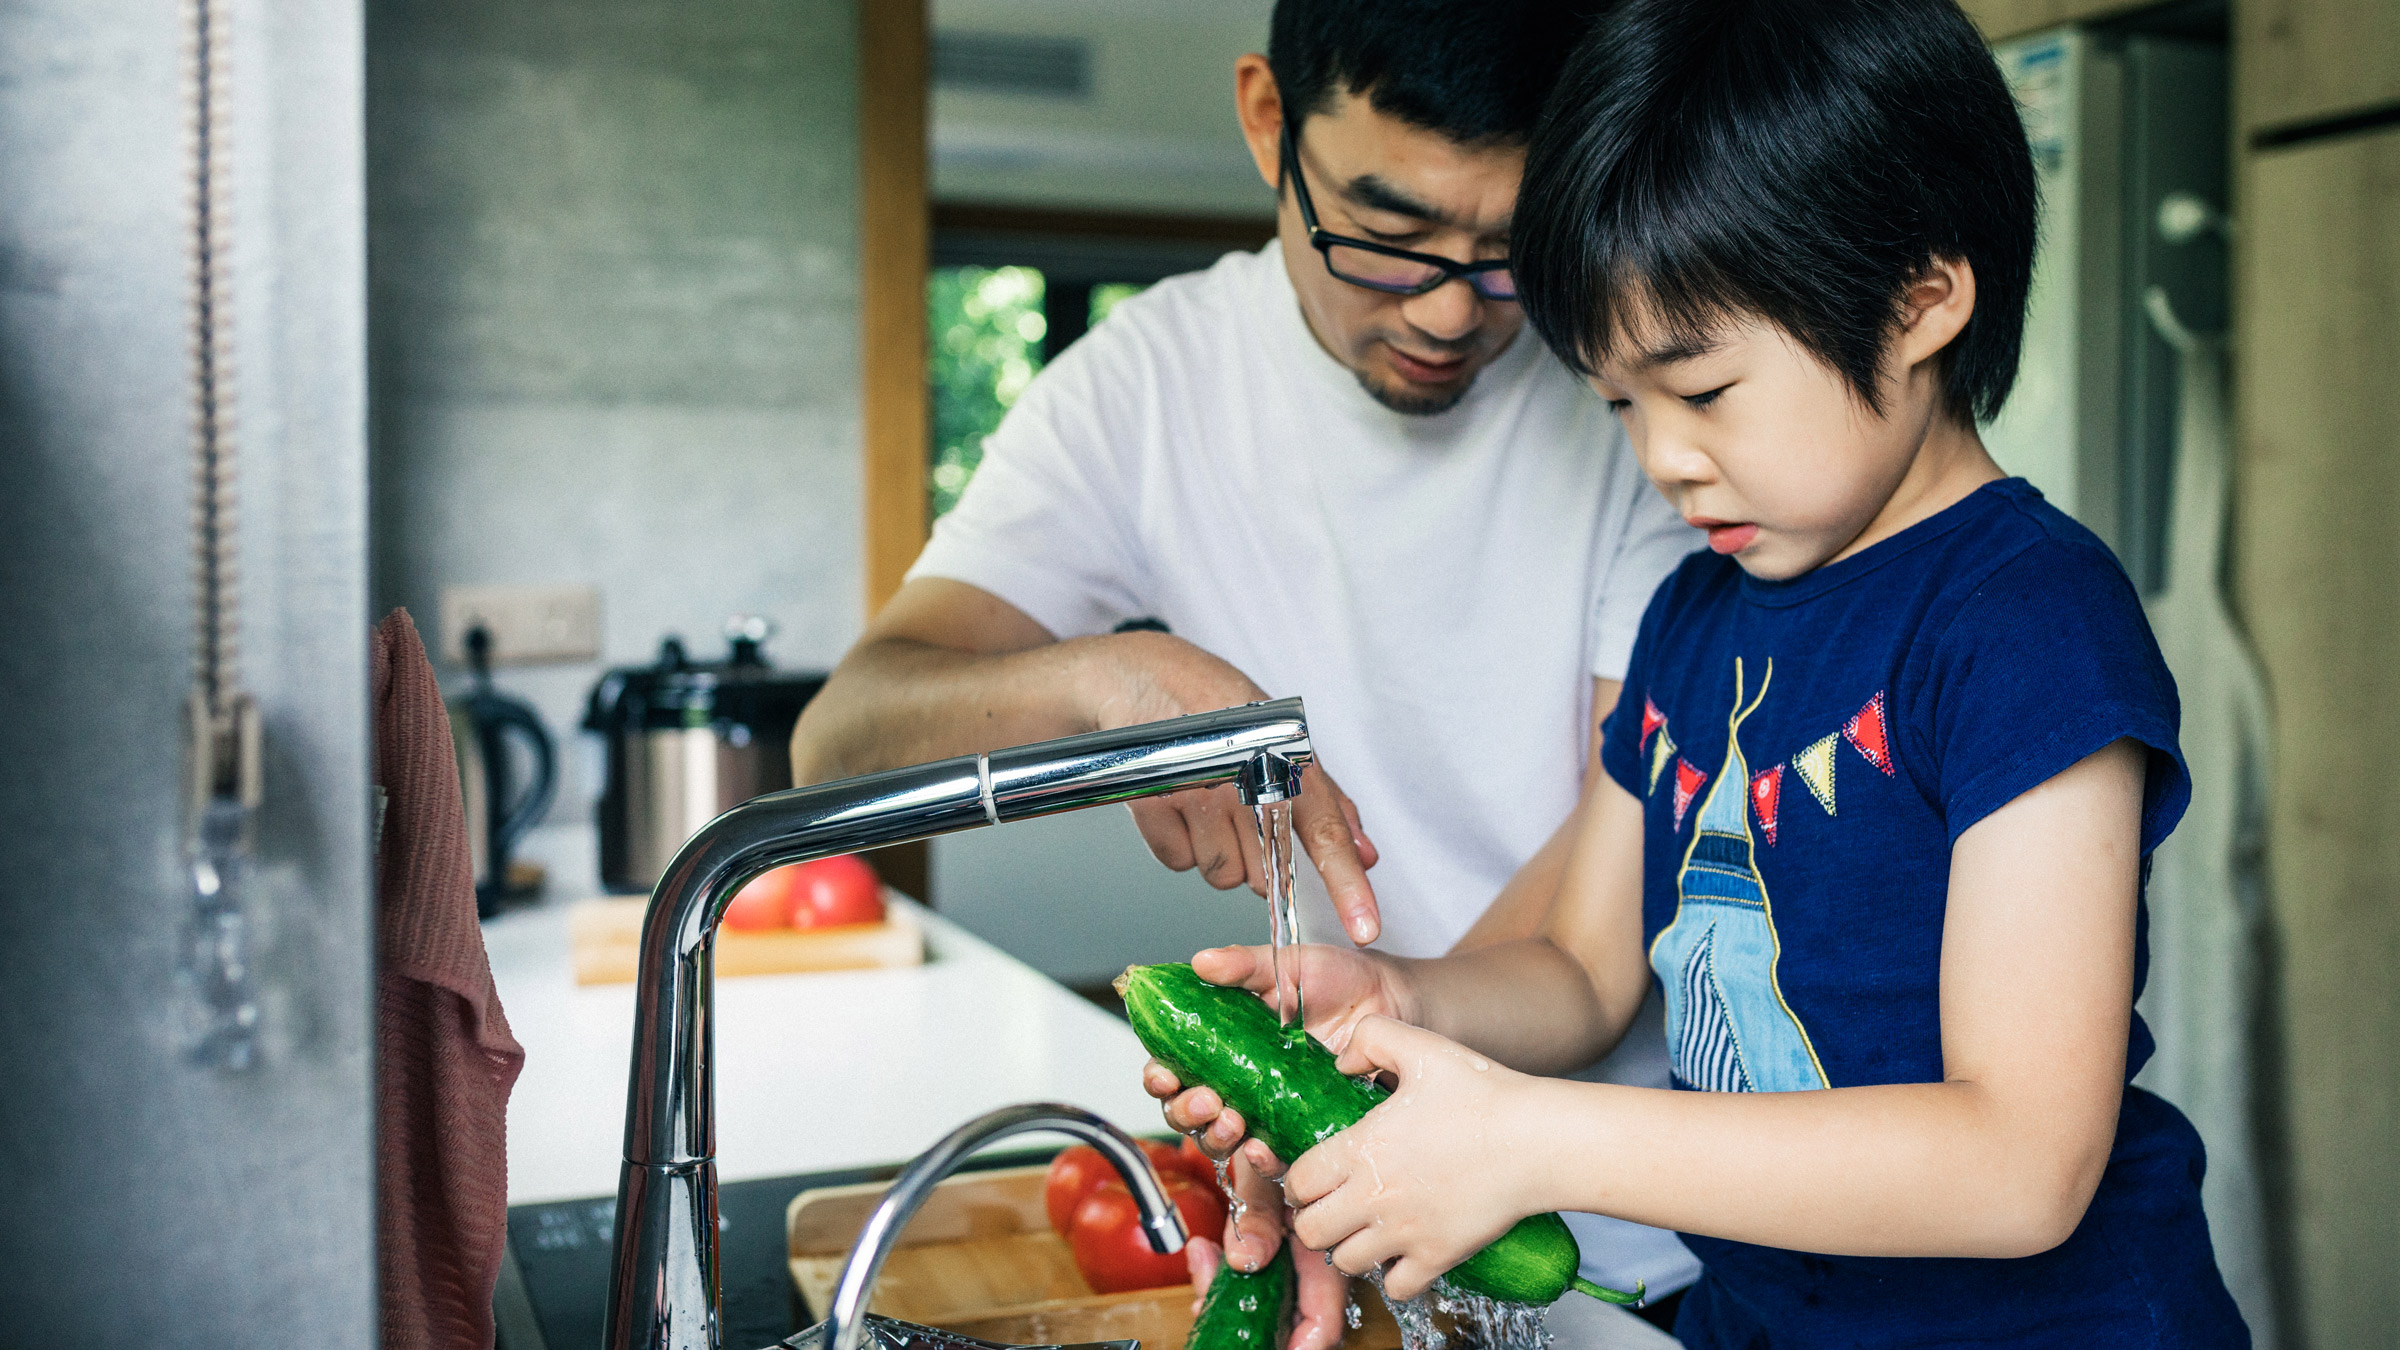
(226, 783)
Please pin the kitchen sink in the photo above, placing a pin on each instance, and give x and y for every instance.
(555, 1288)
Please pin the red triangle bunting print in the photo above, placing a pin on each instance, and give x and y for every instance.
(1687, 786)
(1766, 795)
(1652, 720)
(1868, 732)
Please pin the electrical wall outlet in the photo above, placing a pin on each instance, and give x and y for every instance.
(529, 624)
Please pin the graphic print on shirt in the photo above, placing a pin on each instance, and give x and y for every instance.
(1728, 1027)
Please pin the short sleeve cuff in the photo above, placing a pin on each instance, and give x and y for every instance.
(1034, 588)
(2166, 789)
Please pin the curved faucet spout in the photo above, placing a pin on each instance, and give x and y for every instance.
(664, 1281)
(845, 1314)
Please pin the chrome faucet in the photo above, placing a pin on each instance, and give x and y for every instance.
(846, 1312)
(664, 1278)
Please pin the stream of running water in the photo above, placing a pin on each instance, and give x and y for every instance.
(1283, 914)
(1476, 1322)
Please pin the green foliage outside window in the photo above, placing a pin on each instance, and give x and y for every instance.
(987, 326)
(1106, 295)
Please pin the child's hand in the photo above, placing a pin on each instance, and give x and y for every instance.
(1429, 1177)
(1341, 986)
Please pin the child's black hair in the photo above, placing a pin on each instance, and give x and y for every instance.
(1474, 70)
(1803, 161)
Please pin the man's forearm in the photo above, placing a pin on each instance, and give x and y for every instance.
(896, 701)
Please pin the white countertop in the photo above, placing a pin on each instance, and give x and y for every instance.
(828, 1070)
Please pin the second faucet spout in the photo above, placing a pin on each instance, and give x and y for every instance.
(845, 1313)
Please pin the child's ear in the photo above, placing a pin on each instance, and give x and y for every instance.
(1934, 310)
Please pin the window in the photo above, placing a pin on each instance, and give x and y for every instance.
(1012, 287)
(987, 329)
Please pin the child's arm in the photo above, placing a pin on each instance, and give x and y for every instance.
(1999, 1159)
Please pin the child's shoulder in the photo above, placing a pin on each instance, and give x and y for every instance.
(2037, 532)
(2021, 562)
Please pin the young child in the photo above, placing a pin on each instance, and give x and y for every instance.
(1884, 777)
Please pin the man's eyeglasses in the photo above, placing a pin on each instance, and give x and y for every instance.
(1380, 267)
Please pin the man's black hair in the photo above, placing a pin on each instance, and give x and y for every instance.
(1474, 70)
(1801, 161)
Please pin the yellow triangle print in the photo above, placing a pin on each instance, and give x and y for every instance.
(1815, 766)
(1662, 752)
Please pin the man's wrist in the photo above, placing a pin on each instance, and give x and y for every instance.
(1108, 678)
(1144, 676)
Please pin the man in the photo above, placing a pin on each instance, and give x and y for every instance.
(1334, 468)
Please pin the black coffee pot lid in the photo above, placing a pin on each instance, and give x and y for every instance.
(676, 691)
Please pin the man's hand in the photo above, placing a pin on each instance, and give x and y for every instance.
(949, 669)
(1155, 676)
(1250, 1242)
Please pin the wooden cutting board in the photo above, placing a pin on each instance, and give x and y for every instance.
(605, 939)
(979, 1259)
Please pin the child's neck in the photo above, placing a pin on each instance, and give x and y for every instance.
(1949, 465)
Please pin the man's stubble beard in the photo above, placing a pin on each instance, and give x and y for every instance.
(1412, 405)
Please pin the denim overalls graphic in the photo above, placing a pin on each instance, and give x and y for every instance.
(1728, 1028)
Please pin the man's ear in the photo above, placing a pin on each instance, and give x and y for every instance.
(1258, 102)
(1934, 310)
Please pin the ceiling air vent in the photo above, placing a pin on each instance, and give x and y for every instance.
(1013, 63)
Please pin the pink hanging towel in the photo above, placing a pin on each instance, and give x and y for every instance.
(445, 1059)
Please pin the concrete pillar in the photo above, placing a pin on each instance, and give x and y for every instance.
(146, 1201)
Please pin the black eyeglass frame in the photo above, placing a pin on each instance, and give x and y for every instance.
(1325, 241)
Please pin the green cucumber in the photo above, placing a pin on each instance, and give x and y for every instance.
(1291, 1095)
(1244, 1309)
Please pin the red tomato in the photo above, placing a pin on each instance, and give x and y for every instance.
(765, 903)
(1181, 1158)
(1073, 1174)
(1112, 1251)
(834, 891)
(1199, 1164)
(1078, 1169)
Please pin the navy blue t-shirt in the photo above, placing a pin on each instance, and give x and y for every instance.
(1807, 751)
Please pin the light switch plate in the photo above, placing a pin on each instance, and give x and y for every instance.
(529, 624)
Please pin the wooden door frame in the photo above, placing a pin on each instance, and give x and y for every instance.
(895, 249)
(894, 252)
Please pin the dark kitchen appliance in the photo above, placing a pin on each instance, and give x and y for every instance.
(499, 811)
(684, 742)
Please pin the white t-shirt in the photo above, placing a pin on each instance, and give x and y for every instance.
(1441, 590)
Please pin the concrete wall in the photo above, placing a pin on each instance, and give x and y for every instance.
(148, 1202)
(614, 273)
